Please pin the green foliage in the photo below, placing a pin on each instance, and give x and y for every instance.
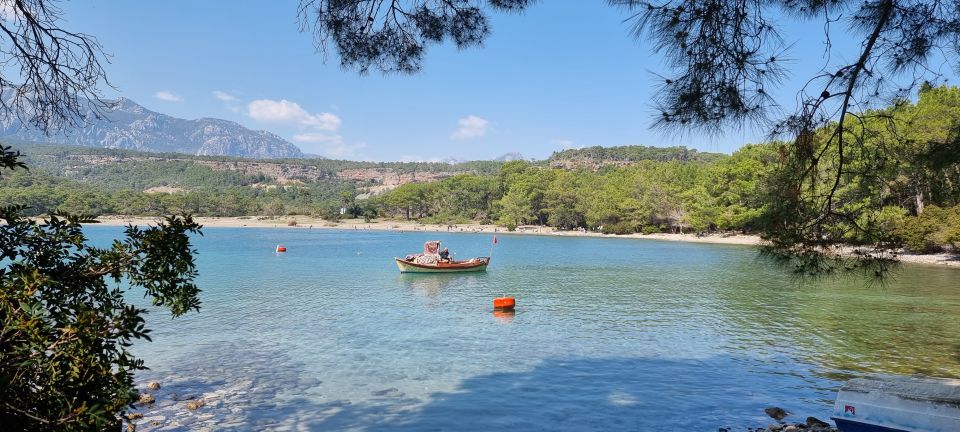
(619, 228)
(933, 230)
(66, 328)
(650, 229)
(738, 185)
(43, 193)
(900, 160)
(681, 196)
(636, 154)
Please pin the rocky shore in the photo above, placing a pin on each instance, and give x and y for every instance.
(811, 424)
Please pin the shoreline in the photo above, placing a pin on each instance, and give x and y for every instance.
(307, 222)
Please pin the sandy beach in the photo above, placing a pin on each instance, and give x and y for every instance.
(307, 222)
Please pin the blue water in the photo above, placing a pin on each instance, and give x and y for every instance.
(609, 334)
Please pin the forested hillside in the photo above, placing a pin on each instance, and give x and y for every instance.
(596, 158)
(99, 181)
(647, 196)
(904, 180)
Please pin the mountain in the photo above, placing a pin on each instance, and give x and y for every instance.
(128, 125)
(512, 156)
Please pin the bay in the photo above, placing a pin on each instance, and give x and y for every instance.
(609, 334)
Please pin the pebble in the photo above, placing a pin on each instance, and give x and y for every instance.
(193, 405)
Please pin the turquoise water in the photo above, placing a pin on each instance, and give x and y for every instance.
(609, 334)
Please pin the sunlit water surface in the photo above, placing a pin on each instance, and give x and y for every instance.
(609, 334)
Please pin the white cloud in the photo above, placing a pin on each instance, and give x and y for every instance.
(284, 111)
(9, 11)
(230, 101)
(344, 151)
(225, 97)
(470, 126)
(167, 96)
(330, 145)
(562, 143)
(317, 137)
(417, 158)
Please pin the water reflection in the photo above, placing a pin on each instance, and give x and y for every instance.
(431, 285)
(504, 316)
(614, 335)
(847, 327)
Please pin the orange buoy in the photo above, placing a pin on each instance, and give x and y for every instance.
(504, 303)
(281, 248)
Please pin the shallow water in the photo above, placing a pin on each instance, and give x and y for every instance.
(609, 334)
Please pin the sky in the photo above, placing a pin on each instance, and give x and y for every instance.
(564, 74)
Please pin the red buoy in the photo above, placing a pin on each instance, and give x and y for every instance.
(504, 303)
(281, 248)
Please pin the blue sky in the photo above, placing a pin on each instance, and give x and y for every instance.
(564, 74)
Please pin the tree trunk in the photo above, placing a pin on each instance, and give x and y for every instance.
(918, 197)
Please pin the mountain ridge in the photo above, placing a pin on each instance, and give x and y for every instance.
(129, 125)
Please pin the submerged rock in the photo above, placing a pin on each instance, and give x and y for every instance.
(815, 423)
(147, 399)
(153, 385)
(776, 413)
(193, 405)
(385, 392)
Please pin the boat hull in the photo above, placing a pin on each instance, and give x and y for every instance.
(888, 403)
(455, 267)
(855, 426)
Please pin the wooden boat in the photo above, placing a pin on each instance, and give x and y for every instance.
(473, 265)
(432, 260)
(891, 403)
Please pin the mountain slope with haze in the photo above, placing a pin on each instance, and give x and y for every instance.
(128, 125)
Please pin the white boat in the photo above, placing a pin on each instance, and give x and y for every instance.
(888, 403)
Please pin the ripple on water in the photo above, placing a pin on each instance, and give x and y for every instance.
(609, 334)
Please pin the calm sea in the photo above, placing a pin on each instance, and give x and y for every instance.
(609, 334)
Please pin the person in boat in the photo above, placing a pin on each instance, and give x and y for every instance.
(445, 255)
